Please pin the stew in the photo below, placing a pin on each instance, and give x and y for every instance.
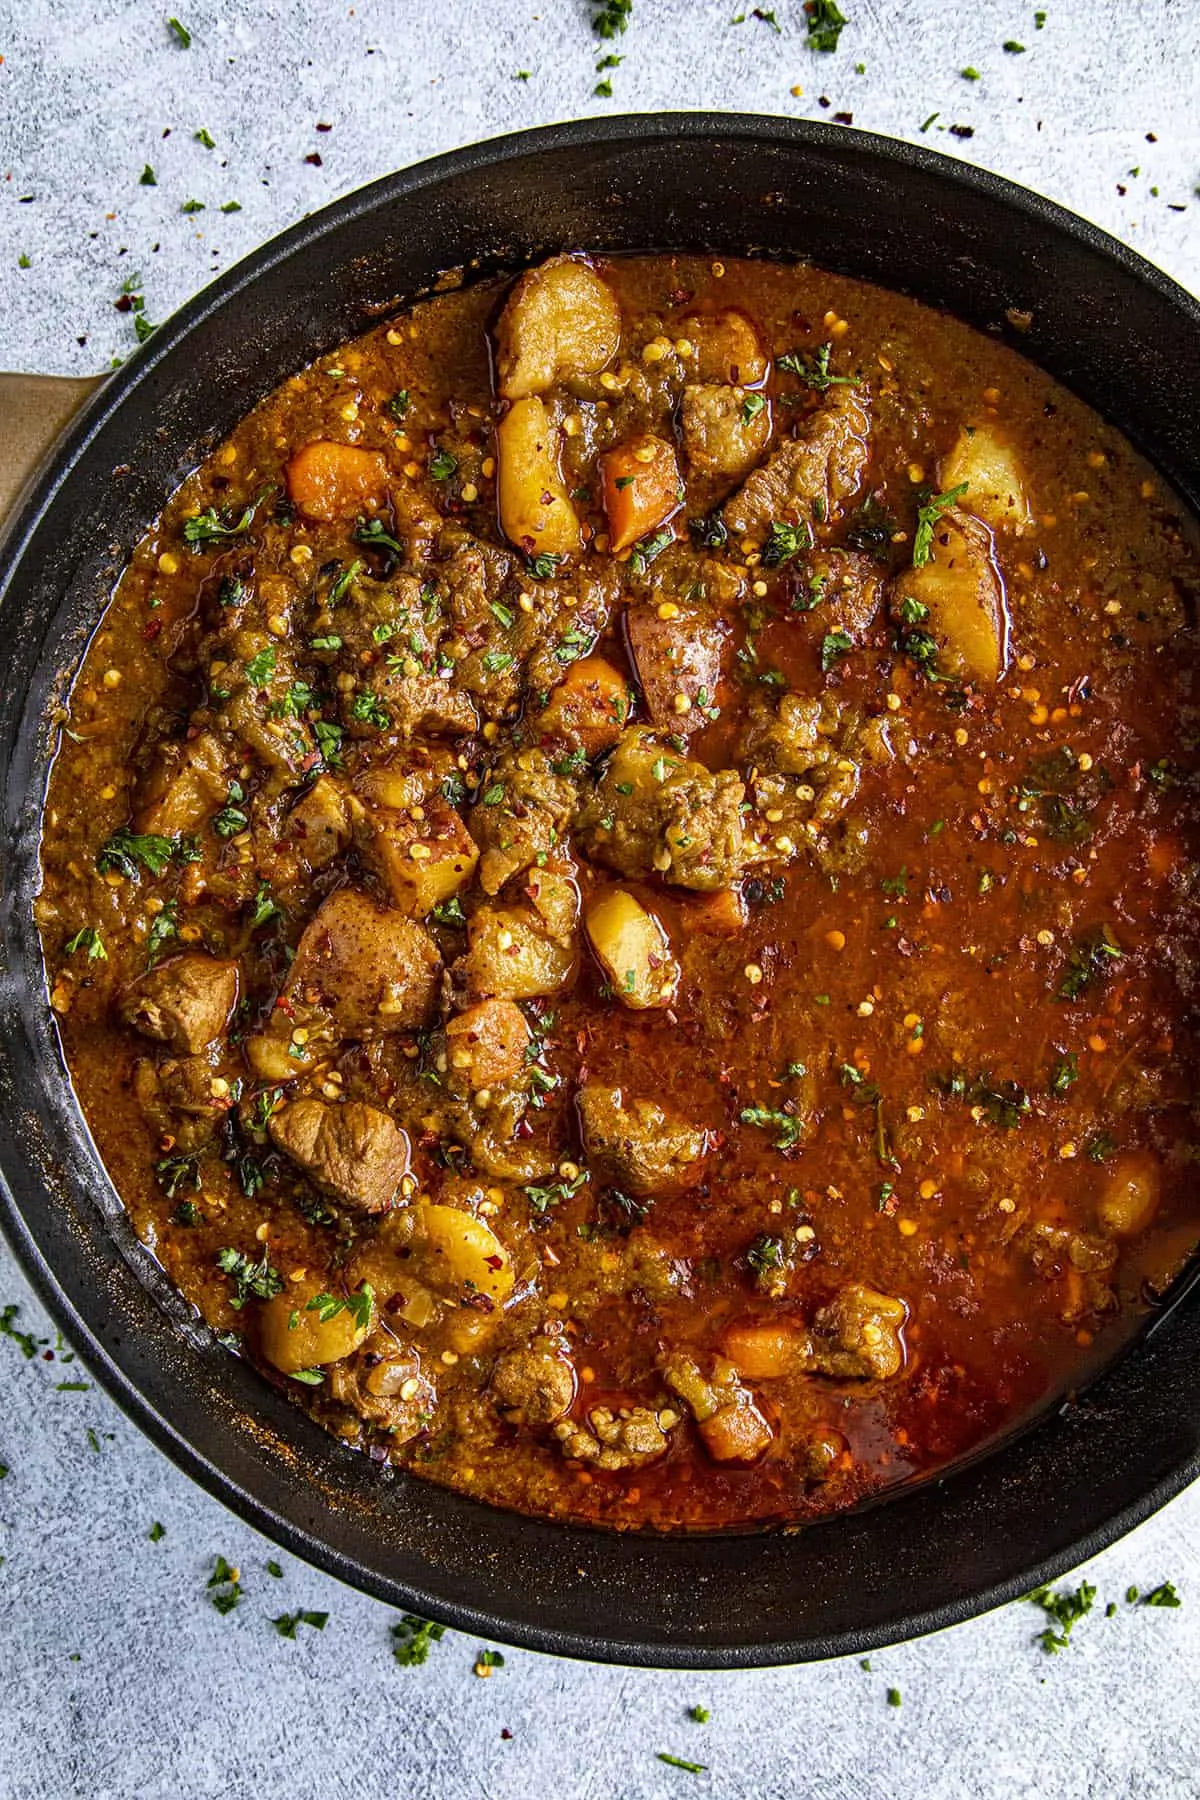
(618, 890)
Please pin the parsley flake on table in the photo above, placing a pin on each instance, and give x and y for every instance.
(1065, 1609)
(826, 22)
(680, 1762)
(413, 1639)
(180, 33)
(287, 1623)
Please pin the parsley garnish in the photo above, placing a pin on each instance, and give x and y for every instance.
(928, 513)
(163, 927)
(784, 542)
(789, 1127)
(834, 645)
(647, 548)
(1064, 1074)
(1089, 962)
(449, 912)
(258, 1279)
(814, 371)
(368, 709)
(286, 1623)
(181, 33)
(826, 21)
(442, 465)
(1066, 1609)
(1002, 1103)
(261, 668)
(541, 1199)
(398, 404)
(751, 407)
(88, 939)
(413, 1638)
(209, 527)
(679, 1762)
(156, 1532)
(231, 819)
(372, 533)
(1163, 1595)
(125, 850)
(328, 1306)
(224, 1588)
(543, 565)
(342, 585)
(612, 18)
(206, 138)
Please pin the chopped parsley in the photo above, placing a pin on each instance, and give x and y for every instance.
(541, 1199)
(164, 927)
(147, 178)
(788, 1127)
(1163, 1595)
(182, 35)
(442, 465)
(834, 645)
(1089, 962)
(368, 709)
(307, 1377)
(398, 404)
(751, 407)
(261, 668)
(449, 912)
(1064, 1609)
(700, 1714)
(258, 1280)
(231, 819)
(612, 18)
(543, 565)
(156, 1532)
(929, 512)
(680, 1762)
(1002, 1103)
(224, 1587)
(785, 541)
(209, 527)
(286, 1623)
(894, 1697)
(89, 939)
(814, 371)
(413, 1638)
(341, 587)
(1064, 1074)
(328, 1306)
(373, 534)
(647, 548)
(206, 138)
(125, 852)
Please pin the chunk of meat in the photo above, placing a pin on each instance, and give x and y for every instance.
(727, 1416)
(678, 664)
(536, 510)
(353, 1152)
(588, 709)
(177, 1100)
(859, 1335)
(641, 489)
(521, 815)
(328, 481)
(983, 461)
(626, 1439)
(725, 347)
(185, 784)
(636, 1144)
(560, 320)
(845, 587)
(420, 861)
(820, 468)
(654, 811)
(1081, 1260)
(385, 1384)
(725, 429)
(633, 949)
(535, 1384)
(319, 824)
(374, 971)
(953, 608)
(486, 1043)
(185, 1002)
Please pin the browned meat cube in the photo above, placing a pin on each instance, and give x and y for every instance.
(486, 1044)
(535, 1384)
(319, 823)
(725, 430)
(374, 971)
(859, 1335)
(177, 1099)
(636, 1144)
(387, 1386)
(185, 1002)
(822, 467)
(678, 663)
(653, 811)
(186, 783)
(420, 861)
(845, 589)
(522, 812)
(350, 1151)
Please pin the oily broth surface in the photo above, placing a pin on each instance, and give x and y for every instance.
(945, 952)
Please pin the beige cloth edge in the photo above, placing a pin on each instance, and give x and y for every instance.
(34, 409)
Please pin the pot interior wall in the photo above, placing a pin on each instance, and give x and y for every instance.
(1121, 337)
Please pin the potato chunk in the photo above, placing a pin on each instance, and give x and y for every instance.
(320, 824)
(588, 708)
(309, 1325)
(328, 481)
(488, 1042)
(560, 320)
(957, 598)
(633, 949)
(374, 971)
(766, 1349)
(461, 1252)
(642, 489)
(535, 508)
(1130, 1196)
(421, 862)
(989, 466)
(512, 956)
(724, 431)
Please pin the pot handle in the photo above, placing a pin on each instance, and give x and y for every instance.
(34, 409)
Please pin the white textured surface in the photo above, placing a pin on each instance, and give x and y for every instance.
(167, 1698)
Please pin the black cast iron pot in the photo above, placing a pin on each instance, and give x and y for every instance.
(1100, 320)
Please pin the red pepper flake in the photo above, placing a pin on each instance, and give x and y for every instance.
(152, 630)
(314, 158)
(321, 127)
(843, 118)
(962, 131)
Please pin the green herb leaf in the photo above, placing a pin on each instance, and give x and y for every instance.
(413, 1638)
(182, 34)
(251, 1279)
(814, 371)
(147, 178)
(680, 1762)
(126, 851)
(928, 514)
(834, 645)
(89, 939)
(785, 541)
(1065, 1609)
(442, 465)
(788, 1127)
(373, 533)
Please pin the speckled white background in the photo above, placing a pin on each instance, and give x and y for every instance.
(167, 1698)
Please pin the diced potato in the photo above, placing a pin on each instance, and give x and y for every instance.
(274, 1057)
(329, 481)
(633, 949)
(642, 488)
(736, 1434)
(186, 782)
(459, 1251)
(764, 1350)
(720, 914)
(992, 472)
(555, 899)
(319, 823)
(963, 595)
(535, 508)
(724, 431)
(293, 1335)
(403, 781)
(511, 956)
(588, 708)
(726, 347)
(487, 1042)
(560, 320)
(421, 862)
(1130, 1197)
